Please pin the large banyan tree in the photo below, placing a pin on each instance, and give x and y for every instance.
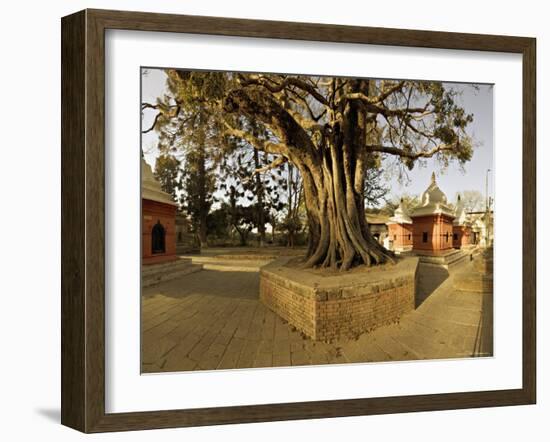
(332, 130)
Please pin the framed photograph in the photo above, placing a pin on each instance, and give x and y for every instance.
(269, 221)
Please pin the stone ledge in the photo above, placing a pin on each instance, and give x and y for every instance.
(447, 259)
(339, 306)
(153, 274)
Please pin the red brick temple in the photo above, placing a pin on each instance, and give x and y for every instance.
(400, 230)
(433, 222)
(158, 211)
(462, 229)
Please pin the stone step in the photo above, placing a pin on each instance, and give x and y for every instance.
(247, 257)
(227, 264)
(451, 259)
(441, 254)
(156, 273)
(461, 258)
(184, 249)
(165, 269)
(164, 266)
(232, 267)
(168, 276)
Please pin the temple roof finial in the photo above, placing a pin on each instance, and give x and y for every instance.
(433, 201)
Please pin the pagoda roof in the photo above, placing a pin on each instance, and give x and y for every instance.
(461, 216)
(376, 218)
(400, 216)
(433, 202)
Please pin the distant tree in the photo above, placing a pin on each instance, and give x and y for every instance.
(472, 200)
(322, 126)
(409, 202)
(293, 221)
(190, 130)
(219, 222)
(376, 190)
(242, 174)
(241, 218)
(169, 175)
(198, 191)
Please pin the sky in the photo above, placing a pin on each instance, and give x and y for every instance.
(455, 178)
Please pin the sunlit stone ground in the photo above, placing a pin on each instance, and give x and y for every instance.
(213, 319)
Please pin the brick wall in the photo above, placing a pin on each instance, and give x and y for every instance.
(328, 313)
(401, 235)
(292, 302)
(349, 316)
(153, 212)
(440, 233)
(463, 236)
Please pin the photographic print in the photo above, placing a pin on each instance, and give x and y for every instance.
(300, 220)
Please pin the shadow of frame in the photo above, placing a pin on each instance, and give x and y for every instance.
(51, 414)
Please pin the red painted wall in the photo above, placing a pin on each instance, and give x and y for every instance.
(152, 212)
(464, 236)
(401, 235)
(440, 233)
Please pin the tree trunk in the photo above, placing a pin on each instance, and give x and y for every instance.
(334, 181)
(290, 214)
(203, 207)
(259, 201)
(273, 228)
(243, 235)
(333, 174)
(339, 235)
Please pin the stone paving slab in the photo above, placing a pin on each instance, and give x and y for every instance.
(213, 319)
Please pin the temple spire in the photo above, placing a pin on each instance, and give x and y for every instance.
(433, 177)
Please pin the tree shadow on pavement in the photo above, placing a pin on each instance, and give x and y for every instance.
(225, 284)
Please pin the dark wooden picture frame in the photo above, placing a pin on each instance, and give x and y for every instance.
(83, 220)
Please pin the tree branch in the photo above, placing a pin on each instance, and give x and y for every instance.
(378, 98)
(152, 125)
(264, 146)
(386, 93)
(274, 88)
(373, 105)
(262, 106)
(408, 153)
(149, 106)
(274, 164)
(161, 112)
(303, 100)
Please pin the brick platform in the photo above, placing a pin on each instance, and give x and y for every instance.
(339, 306)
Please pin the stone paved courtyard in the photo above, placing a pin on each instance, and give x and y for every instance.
(213, 319)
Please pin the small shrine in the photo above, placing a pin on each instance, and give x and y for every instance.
(433, 222)
(400, 230)
(462, 229)
(158, 211)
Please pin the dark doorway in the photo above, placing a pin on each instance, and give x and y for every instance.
(158, 238)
